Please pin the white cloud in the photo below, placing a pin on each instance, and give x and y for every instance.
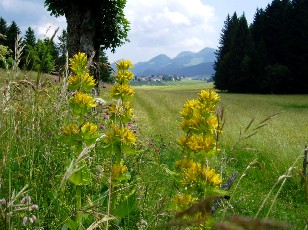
(47, 27)
(169, 26)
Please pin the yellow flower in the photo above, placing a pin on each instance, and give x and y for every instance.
(190, 108)
(182, 141)
(212, 124)
(211, 177)
(200, 142)
(184, 163)
(184, 200)
(120, 91)
(117, 170)
(123, 76)
(85, 99)
(193, 172)
(89, 133)
(189, 169)
(74, 81)
(123, 110)
(88, 81)
(82, 102)
(192, 124)
(71, 129)
(81, 81)
(78, 63)
(208, 96)
(124, 64)
(124, 135)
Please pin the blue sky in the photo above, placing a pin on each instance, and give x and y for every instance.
(160, 26)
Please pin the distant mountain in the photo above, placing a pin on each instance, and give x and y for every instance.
(152, 65)
(186, 63)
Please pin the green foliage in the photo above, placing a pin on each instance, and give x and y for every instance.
(62, 49)
(3, 27)
(29, 38)
(108, 23)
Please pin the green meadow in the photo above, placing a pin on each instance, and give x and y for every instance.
(271, 149)
(263, 139)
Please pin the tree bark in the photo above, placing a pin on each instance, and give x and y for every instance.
(81, 27)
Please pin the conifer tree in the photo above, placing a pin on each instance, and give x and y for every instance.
(12, 32)
(29, 56)
(29, 38)
(223, 58)
(62, 49)
(270, 56)
(3, 31)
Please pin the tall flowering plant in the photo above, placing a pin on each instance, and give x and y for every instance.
(197, 179)
(80, 133)
(119, 140)
(121, 137)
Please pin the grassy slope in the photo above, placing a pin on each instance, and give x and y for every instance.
(275, 147)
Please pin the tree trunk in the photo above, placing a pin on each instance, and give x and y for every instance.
(82, 30)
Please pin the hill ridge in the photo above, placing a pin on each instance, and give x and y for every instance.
(186, 63)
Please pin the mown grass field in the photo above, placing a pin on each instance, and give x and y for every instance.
(276, 147)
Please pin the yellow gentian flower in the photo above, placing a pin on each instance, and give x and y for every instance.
(120, 91)
(81, 103)
(78, 63)
(124, 64)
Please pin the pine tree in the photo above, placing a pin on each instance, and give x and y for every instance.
(62, 49)
(222, 62)
(299, 47)
(3, 31)
(29, 56)
(240, 57)
(12, 32)
(29, 38)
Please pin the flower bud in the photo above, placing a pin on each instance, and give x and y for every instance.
(28, 199)
(25, 220)
(34, 218)
(23, 200)
(34, 207)
(3, 202)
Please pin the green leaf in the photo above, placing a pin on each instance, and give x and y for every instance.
(170, 172)
(124, 176)
(81, 177)
(70, 224)
(57, 204)
(127, 149)
(126, 206)
(219, 192)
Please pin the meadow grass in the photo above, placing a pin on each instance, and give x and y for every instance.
(32, 154)
(275, 147)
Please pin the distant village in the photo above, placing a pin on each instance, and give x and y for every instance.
(166, 77)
